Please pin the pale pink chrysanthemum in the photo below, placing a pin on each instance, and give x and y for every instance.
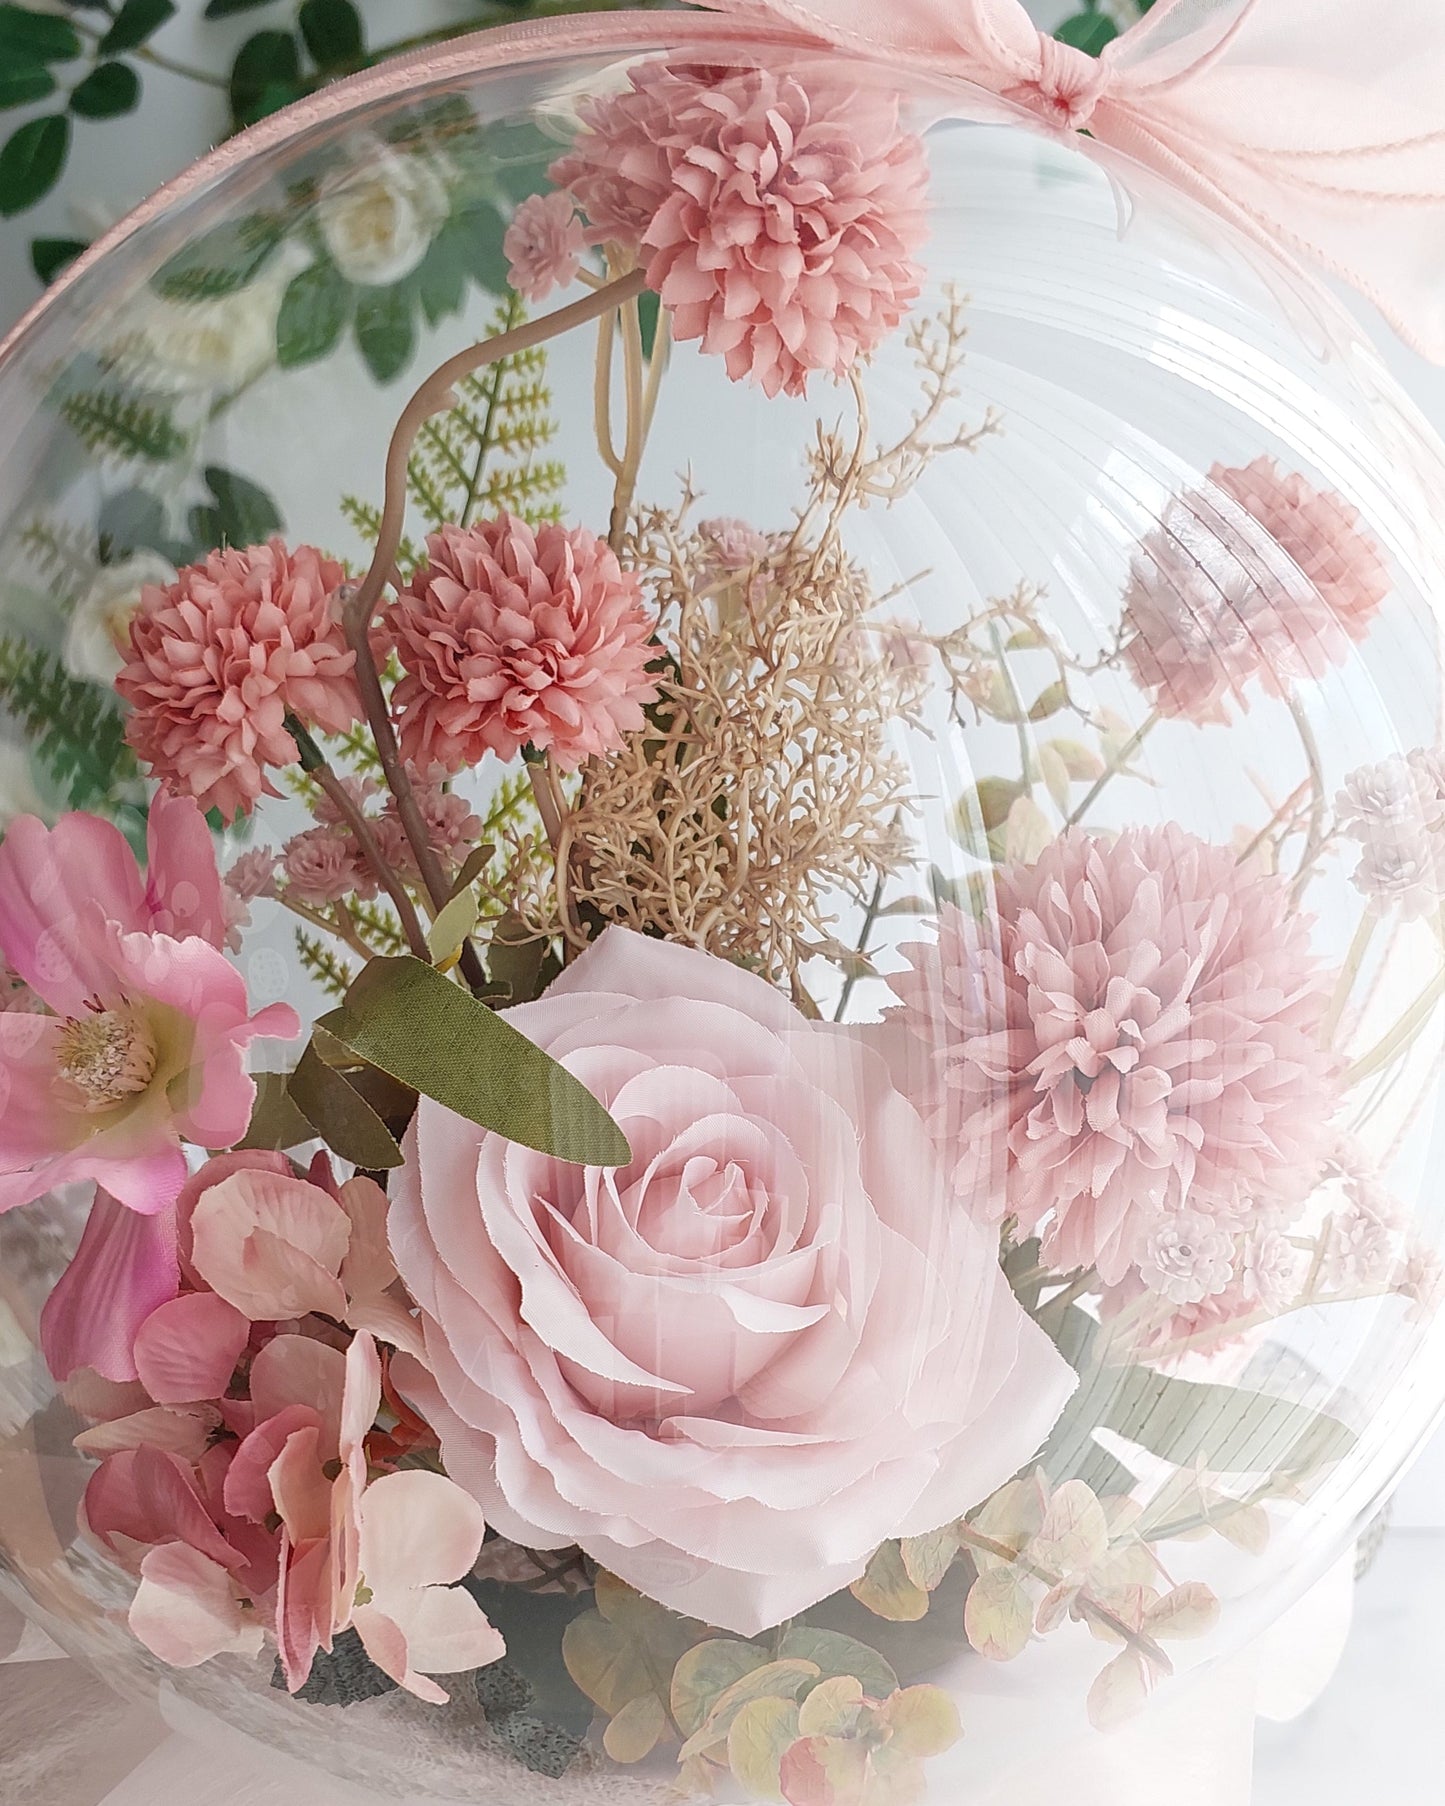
(512, 636)
(1257, 577)
(323, 865)
(218, 660)
(1136, 1027)
(778, 214)
(543, 245)
(253, 875)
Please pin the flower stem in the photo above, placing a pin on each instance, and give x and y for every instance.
(1116, 765)
(434, 397)
(314, 763)
(632, 367)
(1349, 972)
(1316, 838)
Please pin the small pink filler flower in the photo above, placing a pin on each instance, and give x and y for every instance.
(777, 213)
(220, 658)
(544, 245)
(511, 635)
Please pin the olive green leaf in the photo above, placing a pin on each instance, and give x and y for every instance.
(407, 1018)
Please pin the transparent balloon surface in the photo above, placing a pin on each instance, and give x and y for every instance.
(1051, 702)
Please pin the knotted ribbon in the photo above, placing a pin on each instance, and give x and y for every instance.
(1316, 125)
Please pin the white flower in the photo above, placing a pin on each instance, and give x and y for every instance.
(379, 218)
(206, 346)
(1421, 1279)
(1188, 1258)
(1395, 810)
(18, 795)
(101, 622)
(1271, 1271)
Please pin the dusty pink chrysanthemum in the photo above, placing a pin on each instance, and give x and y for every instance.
(543, 245)
(777, 214)
(510, 636)
(221, 657)
(1137, 1027)
(1258, 576)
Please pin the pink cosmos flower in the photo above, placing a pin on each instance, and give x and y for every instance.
(1258, 576)
(543, 245)
(221, 657)
(1138, 1025)
(734, 1367)
(147, 1041)
(511, 635)
(777, 213)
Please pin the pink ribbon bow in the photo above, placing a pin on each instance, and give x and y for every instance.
(1318, 125)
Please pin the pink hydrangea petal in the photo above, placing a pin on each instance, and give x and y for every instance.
(186, 1611)
(150, 1496)
(418, 1529)
(303, 1608)
(124, 1269)
(298, 1370)
(184, 1431)
(187, 1350)
(247, 1490)
(300, 1487)
(272, 1245)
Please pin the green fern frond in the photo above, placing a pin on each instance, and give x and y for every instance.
(354, 751)
(109, 420)
(323, 963)
(509, 805)
(62, 553)
(484, 455)
(379, 928)
(74, 727)
(365, 518)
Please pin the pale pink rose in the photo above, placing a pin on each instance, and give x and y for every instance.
(220, 658)
(777, 213)
(1137, 1023)
(124, 1269)
(1257, 576)
(732, 1368)
(510, 636)
(146, 1045)
(543, 245)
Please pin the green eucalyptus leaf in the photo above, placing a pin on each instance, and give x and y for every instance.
(314, 312)
(343, 1118)
(1089, 32)
(243, 513)
(837, 1655)
(333, 34)
(31, 160)
(220, 261)
(480, 231)
(49, 256)
(427, 1032)
(134, 23)
(265, 76)
(223, 9)
(108, 91)
(385, 331)
(22, 83)
(36, 37)
(649, 315)
(441, 280)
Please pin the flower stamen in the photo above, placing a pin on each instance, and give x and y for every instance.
(108, 1056)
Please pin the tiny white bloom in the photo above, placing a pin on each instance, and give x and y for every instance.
(101, 621)
(379, 218)
(1189, 1257)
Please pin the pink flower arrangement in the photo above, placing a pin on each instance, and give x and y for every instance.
(1256, 577)
(544, 245)
(1140, 1025)
(219, 659)
(778, 215)
(239, 1483)
(146, 1041)
(512, 636)
(631, 1359)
